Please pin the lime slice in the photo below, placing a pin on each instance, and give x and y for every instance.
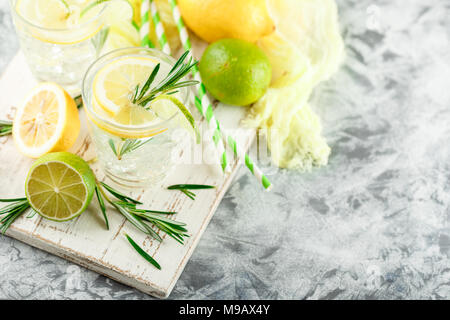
(60, 186)
(166, 110)
(117, 10)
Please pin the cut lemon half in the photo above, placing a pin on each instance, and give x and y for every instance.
(60, 186)
(115, 83)
(47, 121)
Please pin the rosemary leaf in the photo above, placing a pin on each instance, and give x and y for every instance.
(119, 195)
(127, 146)
(189, 194)
(13, 200)
(135, 94)
(113, 147)
(144, 254)
(5, 127)
(149, 81)
(170, 82)
(190, 186)
(169, 232)
(155, 211)
(136, 221)
(152, 217)
(12, 211)
(186, 187)
(99, 40)
(179, 62)
(132, 219)
(102, 205)
(31, 214)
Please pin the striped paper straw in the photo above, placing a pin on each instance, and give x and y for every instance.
(240, 154)
(159, 29)
(144, 31)
(205, 107)
(202, 101)
(212, 123)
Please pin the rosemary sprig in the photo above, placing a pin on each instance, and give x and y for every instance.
(126, 146)
(144, 254)
(5, 127)
(144, 219)
(144, 94)
(12, 211)
(100, 39)
(169, 84)
(186, 187)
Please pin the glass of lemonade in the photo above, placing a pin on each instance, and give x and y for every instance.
(136, 146)
(59, 38)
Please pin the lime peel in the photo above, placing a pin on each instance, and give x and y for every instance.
(184, 110)
(60, 186)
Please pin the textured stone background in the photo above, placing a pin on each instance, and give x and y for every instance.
(373, 224)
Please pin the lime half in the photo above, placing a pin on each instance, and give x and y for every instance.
(60, 186)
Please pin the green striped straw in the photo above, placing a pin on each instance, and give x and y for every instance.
(254, 169)
(144, 31)
(159, 29)
(201, 97)
(205, 107)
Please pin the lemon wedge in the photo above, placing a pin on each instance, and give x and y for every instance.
(47, 121)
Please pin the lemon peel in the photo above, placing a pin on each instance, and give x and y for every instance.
(170, 27)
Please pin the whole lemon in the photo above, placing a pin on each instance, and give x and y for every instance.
(235, 71)
(212, 20)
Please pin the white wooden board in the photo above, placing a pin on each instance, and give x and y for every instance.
(85, 240)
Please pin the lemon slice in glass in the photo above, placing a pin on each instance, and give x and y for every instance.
(115, 83)
(114, 87)
(60, 186)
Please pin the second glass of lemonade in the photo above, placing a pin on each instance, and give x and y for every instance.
(60, 38)
(136, 146)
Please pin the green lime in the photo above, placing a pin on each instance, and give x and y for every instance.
(235, 71)
(60, 186)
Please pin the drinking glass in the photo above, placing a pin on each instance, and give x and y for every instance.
(60, 55)
(160, 142)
